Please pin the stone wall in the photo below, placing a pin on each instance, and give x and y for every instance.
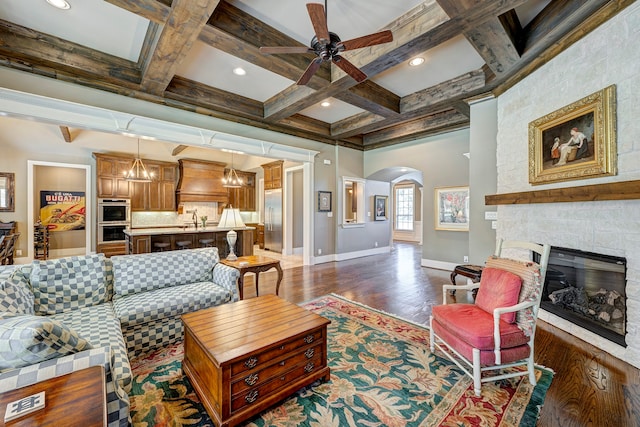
(609, 55)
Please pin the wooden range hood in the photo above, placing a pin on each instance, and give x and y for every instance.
(201, 181)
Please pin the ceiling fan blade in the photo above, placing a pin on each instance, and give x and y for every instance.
(309, 72)
(275, 50)
(370, 40)
(319, 21)
(349, 68)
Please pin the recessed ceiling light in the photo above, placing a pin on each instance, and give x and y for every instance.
(416, 61)
(60, 4)
(238, 71)
(325, 103)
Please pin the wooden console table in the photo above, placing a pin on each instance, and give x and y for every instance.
(74, 399)
(254, 264)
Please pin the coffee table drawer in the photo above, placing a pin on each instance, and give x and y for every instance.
(280, 367)
(254, 395)
(258, 360)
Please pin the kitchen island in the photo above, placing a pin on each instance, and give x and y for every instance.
(144, 240)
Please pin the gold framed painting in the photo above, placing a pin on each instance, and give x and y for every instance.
(577, 141)
(452, 208)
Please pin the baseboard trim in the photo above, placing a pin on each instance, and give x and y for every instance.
(439, 265)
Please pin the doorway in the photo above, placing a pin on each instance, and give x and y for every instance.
(49, 182)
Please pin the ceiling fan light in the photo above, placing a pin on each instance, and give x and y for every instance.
(416, 61)
(60, 4)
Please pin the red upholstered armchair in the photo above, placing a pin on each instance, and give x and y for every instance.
(497, 331)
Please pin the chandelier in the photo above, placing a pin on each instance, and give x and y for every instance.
(231, 178)
(137, 172)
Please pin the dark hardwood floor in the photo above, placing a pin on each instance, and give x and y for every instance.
(590, 387)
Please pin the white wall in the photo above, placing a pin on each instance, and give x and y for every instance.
(609, 55)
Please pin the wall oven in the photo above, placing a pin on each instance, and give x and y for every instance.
(114, 217)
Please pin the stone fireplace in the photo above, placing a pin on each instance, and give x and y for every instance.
(610, 227)
(588, 289)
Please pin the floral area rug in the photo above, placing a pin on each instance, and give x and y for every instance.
(382, 375)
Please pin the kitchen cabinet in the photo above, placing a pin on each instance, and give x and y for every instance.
(142, 241)
(260, 232)
(110, 180)
(111, 249)
(138, 244)
(244, 198)
(273, 175)
(159, 194)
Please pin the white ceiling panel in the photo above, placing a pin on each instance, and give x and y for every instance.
(450, 59)
(89, 23)
(337, 111)
(214, 67)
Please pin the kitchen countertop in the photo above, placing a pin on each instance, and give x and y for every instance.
(178, 230)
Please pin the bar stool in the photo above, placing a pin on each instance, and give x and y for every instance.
(161, 246)
(206, 243)
(183, 244)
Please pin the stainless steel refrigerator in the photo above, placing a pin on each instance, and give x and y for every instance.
(273, 220)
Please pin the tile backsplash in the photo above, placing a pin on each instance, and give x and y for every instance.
(155, 219)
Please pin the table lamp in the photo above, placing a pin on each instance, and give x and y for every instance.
(231, 219)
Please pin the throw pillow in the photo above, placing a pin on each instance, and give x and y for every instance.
(15, 294)
(25, 340)
(498, 288)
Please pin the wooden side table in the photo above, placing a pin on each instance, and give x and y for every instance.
(474, 272)
(254, 264)
(74, 399)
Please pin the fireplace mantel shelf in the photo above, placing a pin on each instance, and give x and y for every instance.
(626, 190)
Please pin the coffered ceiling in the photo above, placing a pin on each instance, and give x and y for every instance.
(182, 53)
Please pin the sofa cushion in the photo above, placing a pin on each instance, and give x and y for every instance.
(25, 340)
(498, 288)
(141, 308)
(69, 283)
(147, 272)
(98, 325)
(15, 293)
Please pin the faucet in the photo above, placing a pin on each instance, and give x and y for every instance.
(195, 218)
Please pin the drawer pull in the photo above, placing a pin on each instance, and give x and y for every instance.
(281, 347)
(252, 396)
(308, 339)
(251, 379)
(309, 367)
(282, 363)
(310, 352)
(251, 362)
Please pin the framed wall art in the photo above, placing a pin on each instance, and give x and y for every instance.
(452, 208)
(575, 142)
(324, 201)
(380, 208)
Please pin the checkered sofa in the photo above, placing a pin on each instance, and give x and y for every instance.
(67, 314)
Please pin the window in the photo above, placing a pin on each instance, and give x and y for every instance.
(404, 208)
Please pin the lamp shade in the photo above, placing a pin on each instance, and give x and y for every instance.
(230, 218)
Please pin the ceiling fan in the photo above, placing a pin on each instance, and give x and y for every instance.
(328, 46)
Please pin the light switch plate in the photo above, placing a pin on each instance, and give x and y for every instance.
(24, 406)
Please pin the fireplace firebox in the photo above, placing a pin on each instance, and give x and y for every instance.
(588, 289)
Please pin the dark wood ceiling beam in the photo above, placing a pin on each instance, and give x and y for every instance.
(430, 100)
(20, 43)
(199, 94)
(294, 99)
(152, 10)
(410, 130)
(373, 98)
(182, 27)
(565, 25)
(490, 39)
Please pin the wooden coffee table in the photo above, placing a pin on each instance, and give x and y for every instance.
(244, 357)
(254, 264)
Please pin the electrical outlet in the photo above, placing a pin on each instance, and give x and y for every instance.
(18, 252)
(465, 258)
(319, 251)
(375, 244)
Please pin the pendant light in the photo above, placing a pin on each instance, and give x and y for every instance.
(137, 172)
(231, 179)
